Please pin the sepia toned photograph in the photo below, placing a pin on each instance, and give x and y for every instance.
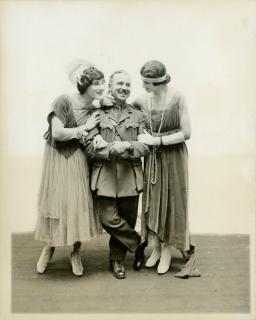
(128, 159)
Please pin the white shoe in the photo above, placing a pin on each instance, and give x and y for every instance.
(154, 257)
(44, 258)
(76, 263)
(165, 259)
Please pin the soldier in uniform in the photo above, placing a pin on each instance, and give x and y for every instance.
(116, 176)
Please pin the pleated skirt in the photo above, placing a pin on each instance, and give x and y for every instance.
(65, 206)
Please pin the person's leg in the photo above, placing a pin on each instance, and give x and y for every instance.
(117, 250)
(76, 247)
(44, 258)
(187, 254)
(76, 263)
(156, 253)
(117, 227)
(127, 209)
(165, 259)
(122, 236)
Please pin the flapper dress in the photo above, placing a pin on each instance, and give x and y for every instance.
(165, 197)
(65, 206)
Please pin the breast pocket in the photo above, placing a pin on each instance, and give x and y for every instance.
(107, 131)
(132, 129)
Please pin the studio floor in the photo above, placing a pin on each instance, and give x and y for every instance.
(224, 286)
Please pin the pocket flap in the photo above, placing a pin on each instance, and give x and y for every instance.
(104, 125)
(132, 125)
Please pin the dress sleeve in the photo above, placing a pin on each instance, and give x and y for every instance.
(60, 108)
(58, 119)
(60, 133)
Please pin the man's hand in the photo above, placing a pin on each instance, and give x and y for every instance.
(119, 147)
(99, 142)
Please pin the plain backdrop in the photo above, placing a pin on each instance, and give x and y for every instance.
(209, 50)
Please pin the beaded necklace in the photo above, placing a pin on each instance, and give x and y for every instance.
(161, 121)
(153, 162)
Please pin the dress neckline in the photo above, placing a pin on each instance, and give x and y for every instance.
(171, 100)
(77, 105)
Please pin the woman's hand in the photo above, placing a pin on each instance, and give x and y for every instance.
(93, 121)
(98, 142)
(148, 139)
(107, 101)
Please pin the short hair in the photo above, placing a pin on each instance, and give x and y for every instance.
(121, 71)
(87, 78)
(155, 69)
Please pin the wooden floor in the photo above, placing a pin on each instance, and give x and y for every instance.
(223, 287)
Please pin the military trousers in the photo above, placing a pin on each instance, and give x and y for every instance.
(118, 217)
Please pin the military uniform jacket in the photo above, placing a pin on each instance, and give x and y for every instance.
(120, 176)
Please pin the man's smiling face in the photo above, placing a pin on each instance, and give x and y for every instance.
(120, 86)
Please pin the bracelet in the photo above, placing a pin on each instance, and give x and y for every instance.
(85, 133)
(81, 132)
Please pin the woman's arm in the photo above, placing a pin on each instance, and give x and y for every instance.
(177, 136)
(60, 133)
(185, 128)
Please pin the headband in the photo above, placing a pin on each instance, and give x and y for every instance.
(156, 80)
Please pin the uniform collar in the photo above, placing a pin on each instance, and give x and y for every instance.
(125, 113)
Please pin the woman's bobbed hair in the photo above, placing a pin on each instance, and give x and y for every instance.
(87, 78)
(155, 69)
